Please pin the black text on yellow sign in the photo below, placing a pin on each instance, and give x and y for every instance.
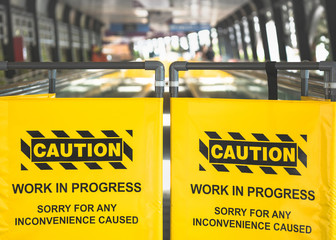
(262, 152)
(253, 153)
(67, 151)
(76, 149)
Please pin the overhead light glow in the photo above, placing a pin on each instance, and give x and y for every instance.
(78, 89)
(166, 119)
(255, 89)
(216, 80)
(166, 175)
(129, 89)
(139, 12)
(218, 88)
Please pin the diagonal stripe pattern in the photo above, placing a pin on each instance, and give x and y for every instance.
(60, 134)
(220, 168)
(130, 132)
(304, 136)
(110, 133)
(35, 134)
(68, 166)
(128, 151)
(201, 168)
(292, 171)
(203, 149)
(260, 137)
(85, 134)
(25, 148)
(236, 136)
(285, 138)
(213, 135)
(244, 169)
(23, 168)
(268, 170)
(93, 165)
(118, 165)
(302, 156)
(43, 166)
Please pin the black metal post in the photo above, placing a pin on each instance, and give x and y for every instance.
(179, 43)
(301, 27)
(52, 80)
(272, 80)
(304, 82)
(234, 41)
(330, 6)
(101, 25)
(278, 20)
(78, 24)
(199, 41)
(66, 19)
(52, 14)
(262, 23)
(220, 40)
(9, 46)
(253, 38)
(227, 43)
(97, 26)
(87, 26)
(211, 39)
(248, 10)
(240, 15)
(36, 49)
(179, 48)
(242, 32)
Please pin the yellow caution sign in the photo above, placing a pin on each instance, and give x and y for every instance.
(253, 169)
(81, 169)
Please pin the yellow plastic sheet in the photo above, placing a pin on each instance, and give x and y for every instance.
(252, 169)
(47, 95)
(81, 169)
(208, 74)
(304, 98)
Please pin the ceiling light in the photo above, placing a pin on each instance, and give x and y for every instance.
(139, 12)
(218, 88)
(129, 89)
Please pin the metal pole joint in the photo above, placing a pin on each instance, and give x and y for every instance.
(329, 69)
(174, 68)
(3, 65)
(52, 80)
(159, 69)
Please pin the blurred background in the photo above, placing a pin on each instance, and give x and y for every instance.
(165, 30)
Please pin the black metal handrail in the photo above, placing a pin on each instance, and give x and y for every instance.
(329, 69)
(156, 66)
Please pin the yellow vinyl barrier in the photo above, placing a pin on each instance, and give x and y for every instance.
(137, 73)
(208, 74)
(252, 169)
(81, 169)
(304, 98)
(47, 95)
